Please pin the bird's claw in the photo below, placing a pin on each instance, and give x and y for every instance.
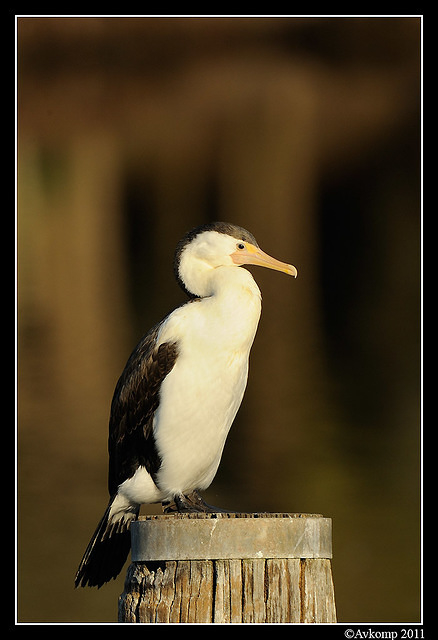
(191, 503)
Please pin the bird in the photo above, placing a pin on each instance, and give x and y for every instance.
(180, 391)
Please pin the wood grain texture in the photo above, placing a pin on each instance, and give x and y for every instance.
(246, 590)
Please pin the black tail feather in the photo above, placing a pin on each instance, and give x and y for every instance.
(106, 552)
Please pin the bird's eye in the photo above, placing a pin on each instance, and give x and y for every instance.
(240, 245)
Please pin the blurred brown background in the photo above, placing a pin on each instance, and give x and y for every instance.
(306, 131)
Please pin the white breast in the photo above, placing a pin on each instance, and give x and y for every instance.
(201, 395)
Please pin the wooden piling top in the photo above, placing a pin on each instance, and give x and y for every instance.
(216, 536)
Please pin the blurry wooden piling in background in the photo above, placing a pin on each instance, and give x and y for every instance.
(250, 568)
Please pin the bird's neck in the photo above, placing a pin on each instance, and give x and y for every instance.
(231, 283)
(232, 310)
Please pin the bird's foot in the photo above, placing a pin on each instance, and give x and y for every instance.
(191, 503)
(200, 505)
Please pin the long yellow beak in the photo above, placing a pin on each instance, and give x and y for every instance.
(251, 254)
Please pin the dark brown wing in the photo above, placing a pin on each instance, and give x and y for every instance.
(136, 398)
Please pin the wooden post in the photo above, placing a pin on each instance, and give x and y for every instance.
(230, 567)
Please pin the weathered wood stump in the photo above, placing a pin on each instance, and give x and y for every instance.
(230, 567)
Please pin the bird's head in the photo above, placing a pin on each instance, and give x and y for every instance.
(219, 244)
